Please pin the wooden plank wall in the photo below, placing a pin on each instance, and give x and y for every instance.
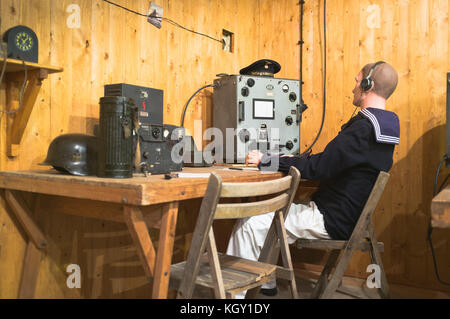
(113, 46)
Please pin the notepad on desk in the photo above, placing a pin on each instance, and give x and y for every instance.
(194, 175)
(241, 168)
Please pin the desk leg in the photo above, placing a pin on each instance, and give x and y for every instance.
(30, 271)
(139, 232)
(36, 241)
(165, 251)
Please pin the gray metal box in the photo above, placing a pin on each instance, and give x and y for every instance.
(256, 105)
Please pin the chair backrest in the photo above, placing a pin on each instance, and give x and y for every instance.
(283, 187)
(283, 191)
(371, 204)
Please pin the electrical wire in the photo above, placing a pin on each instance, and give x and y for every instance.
(5, 61)
(187, 104)
(324, 76)
(430, 228)
(354, 111)
(22, 89)
(443, 183)
(435, 191)
(164, 19)
(302, 3)
(184, 28)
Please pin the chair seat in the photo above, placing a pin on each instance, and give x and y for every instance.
(237, 272)
(334, 244)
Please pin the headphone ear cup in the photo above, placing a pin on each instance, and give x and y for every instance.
(366, 84)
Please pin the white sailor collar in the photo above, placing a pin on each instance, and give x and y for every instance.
(385, 123)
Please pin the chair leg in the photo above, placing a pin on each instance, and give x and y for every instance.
(323, 280)
(375, 258)
(216, 272)
(336, 277)
(269, 254)
(285, 253)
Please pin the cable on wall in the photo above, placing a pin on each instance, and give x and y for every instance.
(167, 20)
(430, 228)
(324, 74)
(22, 89)
(187, 104)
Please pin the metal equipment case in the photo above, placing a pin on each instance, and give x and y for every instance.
(148, 101)
(254, 104)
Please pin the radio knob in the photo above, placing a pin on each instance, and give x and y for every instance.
(146, 155)
(289, 120)
(250, 82)
(245, 91)
(156, 132)
(289, 145)
(292, 97)
(244, 135)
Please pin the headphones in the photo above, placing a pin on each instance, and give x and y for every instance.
(367, 83)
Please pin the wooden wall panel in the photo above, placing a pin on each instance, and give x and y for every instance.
(113, 46)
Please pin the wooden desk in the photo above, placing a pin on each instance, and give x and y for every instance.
(440, 209)
(139, 202)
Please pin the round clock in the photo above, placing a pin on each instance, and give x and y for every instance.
(22, 43)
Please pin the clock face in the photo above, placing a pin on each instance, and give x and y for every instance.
(24, 41)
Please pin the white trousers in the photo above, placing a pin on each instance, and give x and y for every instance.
(249, 234)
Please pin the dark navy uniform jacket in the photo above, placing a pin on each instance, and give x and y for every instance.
(348, 167)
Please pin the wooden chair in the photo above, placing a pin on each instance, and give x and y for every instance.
(228, 275)
(363, 239)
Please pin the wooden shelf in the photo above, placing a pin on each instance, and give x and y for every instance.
(15, 75)
(13, 65)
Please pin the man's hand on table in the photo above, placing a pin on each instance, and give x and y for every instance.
(254, 157)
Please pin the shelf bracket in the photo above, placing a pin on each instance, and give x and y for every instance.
(20, 119)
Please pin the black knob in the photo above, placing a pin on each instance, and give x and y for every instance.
(289, 145)
(245, 91)
(146, 155)
(156, 132)
(289, 120)
(292, 97)
(250, 82)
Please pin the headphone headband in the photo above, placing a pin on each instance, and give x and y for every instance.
(373, 68)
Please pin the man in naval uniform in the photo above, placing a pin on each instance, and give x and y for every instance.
(347, 168)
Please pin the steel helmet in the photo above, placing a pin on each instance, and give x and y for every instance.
(75, 154)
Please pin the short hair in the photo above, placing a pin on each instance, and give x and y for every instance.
(384, 76)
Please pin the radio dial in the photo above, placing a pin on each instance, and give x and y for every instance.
(244, 135)
(155, 132)
(250, 82)
(289, 120)
(289, 145)
(292, 97)
(245, 91)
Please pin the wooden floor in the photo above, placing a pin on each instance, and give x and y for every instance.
(353, 288)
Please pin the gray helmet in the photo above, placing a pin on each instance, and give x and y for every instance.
(75, 154)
